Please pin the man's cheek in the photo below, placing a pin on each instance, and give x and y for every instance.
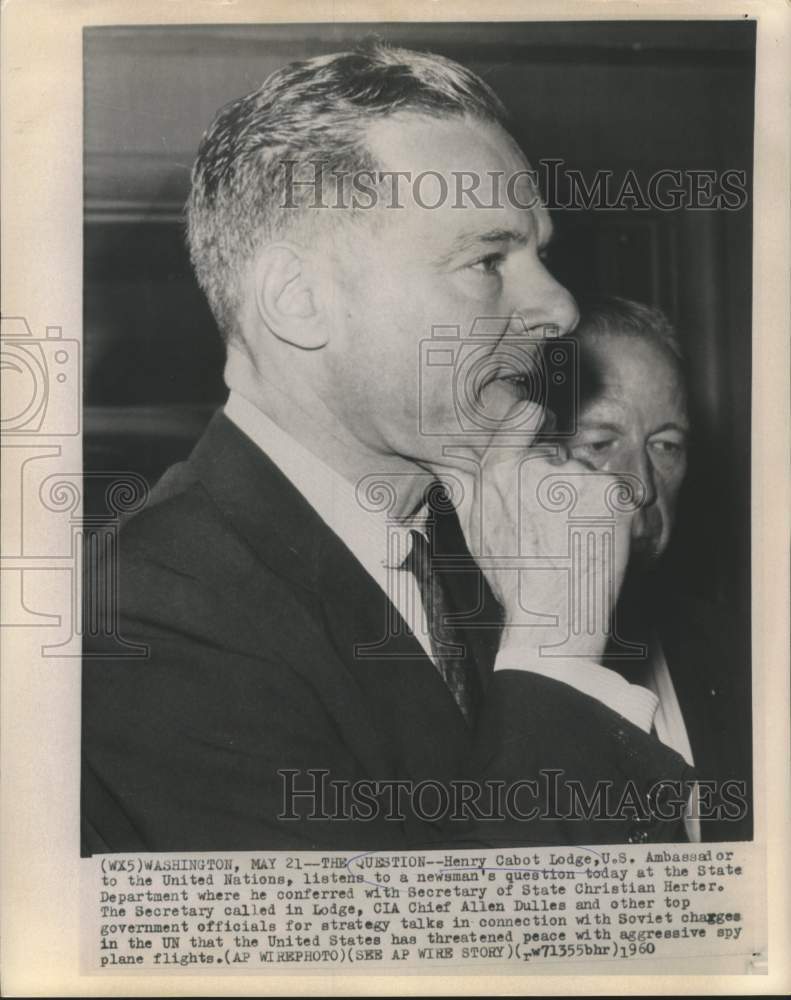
(670, 492)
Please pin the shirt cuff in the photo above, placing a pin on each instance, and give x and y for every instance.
(634, 702)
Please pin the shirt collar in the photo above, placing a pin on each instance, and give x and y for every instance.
(378, 542)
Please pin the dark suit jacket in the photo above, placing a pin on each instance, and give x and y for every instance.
(708, 653)
(252, 609)
(707, 649)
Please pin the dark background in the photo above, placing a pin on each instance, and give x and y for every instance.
(614, 96)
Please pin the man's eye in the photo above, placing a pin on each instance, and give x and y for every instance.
(592, 451)
(490, 264)
(598, 446)
(668, 448)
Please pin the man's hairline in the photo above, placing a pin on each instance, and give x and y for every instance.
(665, 343)
(301, 233)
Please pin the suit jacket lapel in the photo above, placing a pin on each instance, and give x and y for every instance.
(404, 695)
(407, 696)
(260, 501)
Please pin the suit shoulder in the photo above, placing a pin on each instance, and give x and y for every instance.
(185, 568)
(179, 511)
(180, 562)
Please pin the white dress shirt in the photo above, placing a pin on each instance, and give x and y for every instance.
(381, 545)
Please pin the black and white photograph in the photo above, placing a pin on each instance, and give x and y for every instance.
(395, 498)
(362, 304)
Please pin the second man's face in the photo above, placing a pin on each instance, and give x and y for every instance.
(633, 420)
(471, 264)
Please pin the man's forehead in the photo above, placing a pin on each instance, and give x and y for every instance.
(417, 142)
(622, 371)
(461, 178)
(618, 355)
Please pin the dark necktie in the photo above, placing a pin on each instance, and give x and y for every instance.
(451, 655)
(451, 586)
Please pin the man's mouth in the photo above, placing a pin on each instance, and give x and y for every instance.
(520, 383)
(517, 383)
(508, 401)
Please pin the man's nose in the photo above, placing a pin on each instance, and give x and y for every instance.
(639, 465)
(543, 301)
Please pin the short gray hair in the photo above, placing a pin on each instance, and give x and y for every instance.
(611, 316)
(625, 317)
(307, 114)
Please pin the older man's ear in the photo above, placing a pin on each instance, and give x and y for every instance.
(287, 297)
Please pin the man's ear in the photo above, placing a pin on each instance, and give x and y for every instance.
(286, 296)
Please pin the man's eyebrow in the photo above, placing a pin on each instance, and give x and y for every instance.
(601, 425)
(671, 425)
(504, 235)
(472, 238)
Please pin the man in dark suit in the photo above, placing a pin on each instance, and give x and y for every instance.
(633, 419)
(354, 594)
